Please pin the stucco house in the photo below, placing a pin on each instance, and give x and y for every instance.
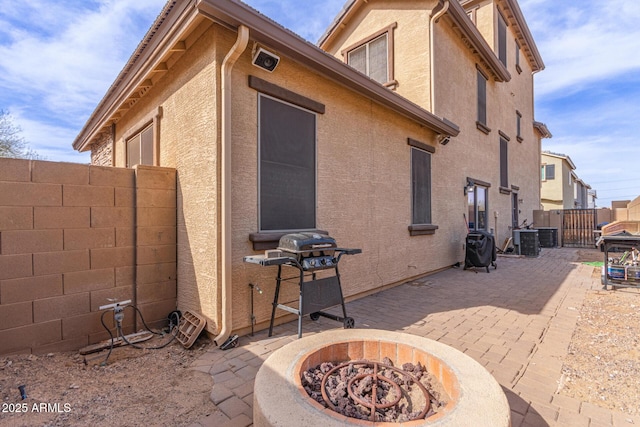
(561, 187)
(410, 123)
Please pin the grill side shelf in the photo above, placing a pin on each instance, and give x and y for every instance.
(264, 261)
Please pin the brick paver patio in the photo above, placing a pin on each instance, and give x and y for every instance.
(517, 321)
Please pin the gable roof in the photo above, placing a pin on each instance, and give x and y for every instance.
(466, 29)
(560, 156)
(179, 18)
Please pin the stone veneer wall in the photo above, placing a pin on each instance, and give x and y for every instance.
(102, 152)
(71, 237)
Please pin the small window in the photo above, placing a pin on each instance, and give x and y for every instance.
(374, 56)
(421, 186)
(482, 99)
(547, 172)
(140, 148)
(287, 166)
(518, 68)
(502, 39)
(504, 163)
(519, 126)
(477, 198)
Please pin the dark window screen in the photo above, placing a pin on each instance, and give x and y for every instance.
(551, 172)
(421, 186)
(482, 99)
(502, 40)
(504, 163)
(287, 167)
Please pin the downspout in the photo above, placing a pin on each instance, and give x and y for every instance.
(432, 89)
(227, 65)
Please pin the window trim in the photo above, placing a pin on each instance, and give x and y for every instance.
(504, 164)
(389, 30)
(422, 229)
(148, 125)
(501, 35)
(419, 229)
(518, 50)
(481, 101)
(475, 183)
(262, 231)
(519, 126)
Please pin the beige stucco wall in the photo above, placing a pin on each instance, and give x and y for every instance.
(363, 183)
(473, 153)
(189, 134)
(364, 196)
(557, 193)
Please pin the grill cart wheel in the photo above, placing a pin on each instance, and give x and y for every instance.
(349, 323)
(314, 316)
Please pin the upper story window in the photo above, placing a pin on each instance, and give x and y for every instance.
(518, 67)
(519, 126)
(287, 166)
(504, 163)
(373, 56)
(502, 39)
(140, 148)
(547, 172)
(482, 102)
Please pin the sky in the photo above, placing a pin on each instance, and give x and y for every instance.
(58, 58)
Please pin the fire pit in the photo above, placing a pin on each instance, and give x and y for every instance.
(281, 400)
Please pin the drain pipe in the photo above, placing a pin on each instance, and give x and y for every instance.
(432, 89)
(227, 65)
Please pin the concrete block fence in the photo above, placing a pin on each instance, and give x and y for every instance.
(74, 236)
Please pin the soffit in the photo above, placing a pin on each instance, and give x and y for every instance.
(168, 38)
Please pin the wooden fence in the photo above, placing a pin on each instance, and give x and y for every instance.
(577, 228)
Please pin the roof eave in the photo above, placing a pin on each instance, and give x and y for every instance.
(165, 30)
(264, 30)
(538, 63)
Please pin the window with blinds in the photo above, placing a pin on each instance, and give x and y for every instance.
(421, 186)
(140, 148)
(372, 59)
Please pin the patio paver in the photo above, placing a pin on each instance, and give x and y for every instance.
(517, 321)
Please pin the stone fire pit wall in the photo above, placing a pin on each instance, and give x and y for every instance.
(476, 398)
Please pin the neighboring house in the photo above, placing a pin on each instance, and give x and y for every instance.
(561, 188)
(592, 199)
(269, 135)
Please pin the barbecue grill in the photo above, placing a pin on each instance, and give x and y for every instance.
(308, 253)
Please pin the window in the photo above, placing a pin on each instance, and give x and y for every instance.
(515, 210)
(502, 39)
(548, 172)
(478, 206)
(421, 186)
(140, 148)
(287, 162)
(504, 163)
(373, 56)
(518, 68)
(518, 126)
(482, 103)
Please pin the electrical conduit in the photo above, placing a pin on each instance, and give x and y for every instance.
(227, 65)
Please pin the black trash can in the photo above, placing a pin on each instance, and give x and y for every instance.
(480, 250)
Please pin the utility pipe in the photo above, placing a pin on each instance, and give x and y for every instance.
(225, 277)
(432, 89)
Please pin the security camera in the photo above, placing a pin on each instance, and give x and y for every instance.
(265, 60)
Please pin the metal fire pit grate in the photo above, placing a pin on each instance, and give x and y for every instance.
(373, 385)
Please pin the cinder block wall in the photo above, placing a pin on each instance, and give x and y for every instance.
(73, 236)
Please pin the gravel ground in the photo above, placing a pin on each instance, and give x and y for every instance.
(135, 388)
(603, 364)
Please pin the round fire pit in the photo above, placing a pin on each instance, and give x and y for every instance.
(279, 398)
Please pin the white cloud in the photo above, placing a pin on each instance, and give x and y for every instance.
(583, 43)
